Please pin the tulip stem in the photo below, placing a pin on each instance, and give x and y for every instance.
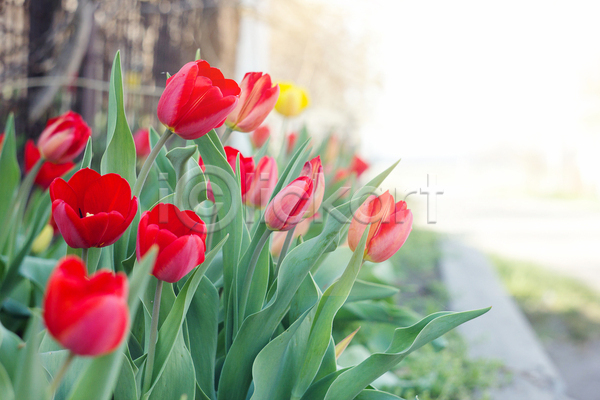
(84, 258)
(141, 179)
(286, 245)
(250, 272)
(209, 235)
(226, 135)
(153, 336)
(61, 373)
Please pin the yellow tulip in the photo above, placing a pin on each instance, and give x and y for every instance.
(42, 241)
(292, 99)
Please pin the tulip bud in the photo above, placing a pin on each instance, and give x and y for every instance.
(262, 183)
(141, 138)
(288, 207)
(246, 166)
(314, 170)
(43, 240)
(358, 166)
(64, 138)
(87, 315)
(1, 141)
(260, 136)
(257, 99)
(292, 99)
(390, 226)
(292, 138)
(180, 237)
(196, 99)
(49, 171)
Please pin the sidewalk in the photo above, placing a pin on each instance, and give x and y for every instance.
(502, 334)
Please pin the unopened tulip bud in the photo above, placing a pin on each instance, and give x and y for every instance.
(262, 183)
(288, 207)
(141, 138)
(43, 240)
(314, 170)
(64, 138)
(260, 136)
(87, 315)
(292, 99)
(390, 226)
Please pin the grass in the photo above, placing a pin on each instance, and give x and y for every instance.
(558, 307)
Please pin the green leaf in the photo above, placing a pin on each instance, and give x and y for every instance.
(6, 389)
(331, 301)
(126, 388)
(119, 156)
(275, 363)
(162, 162)
(203, 321)
(100, 378)
(406, 340)
(171, 327)
(230, 215)
(179, 157)
(53, 361)
(257, 329)
(12, 277)
(86, 161)
(370, 394)
(178, 377)
(363, 290)
(11, 174)
(37, 270)
(10, 345)
(30, 379)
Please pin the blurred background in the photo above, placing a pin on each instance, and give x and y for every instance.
(494, 108)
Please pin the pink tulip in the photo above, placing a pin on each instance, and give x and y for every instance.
(64, 138)
(262, 183)
(288, 207)
(390, 226)
(257, 99)
(260, 136)
(314, 170)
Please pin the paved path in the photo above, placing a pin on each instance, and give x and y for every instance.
(503, 333)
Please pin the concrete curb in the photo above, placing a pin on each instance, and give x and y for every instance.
(503, 333)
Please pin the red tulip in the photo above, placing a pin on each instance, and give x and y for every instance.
(260, 136)
(49, 171)
(141, 138)
(291, 142)
(288, 207)
(1, 141)
(92, 210)
(358, 165)
(246, 166)
(180, 237)
(209, 193)
(390, 226)
(64, 138)
(263, 183)
(87, 315)
(257, 100)
(197, 99)
(314, 170)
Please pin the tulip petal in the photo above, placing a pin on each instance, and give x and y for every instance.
(95, 227)
(82, 179)
(61, 190)
(177, 93)
(69, 224)
(100, 323)
(390, 238)
(179, 258)
(108, 193)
